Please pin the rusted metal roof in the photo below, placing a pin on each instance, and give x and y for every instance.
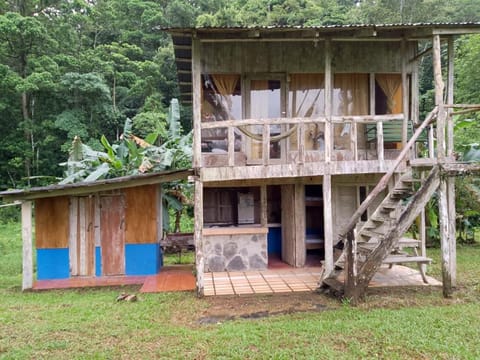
(84, 188)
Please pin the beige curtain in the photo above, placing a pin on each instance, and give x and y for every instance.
(391, 86)
(226, 84)
(351, 94)
(350, 97)
(306, 99)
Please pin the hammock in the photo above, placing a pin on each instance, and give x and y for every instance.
(274, 139)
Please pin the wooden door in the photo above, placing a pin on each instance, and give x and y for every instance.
(293, 225)
(112, 234)
(82, 236)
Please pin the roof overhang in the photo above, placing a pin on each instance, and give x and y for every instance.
(182, 38)
(85, 188)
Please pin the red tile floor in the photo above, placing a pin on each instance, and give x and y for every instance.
(170, 278)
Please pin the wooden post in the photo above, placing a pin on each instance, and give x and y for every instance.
(159, 213)
(431, 142)
(327, 223)
(263, 206)
(380, 149)
(405, 101)
(328, 103)
(451, 180)
(198, 236)
(27, 240)
(443, 195)
(197, 103)
(351, 289)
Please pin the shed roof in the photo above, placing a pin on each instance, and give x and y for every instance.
(84, 188)
(182, 38)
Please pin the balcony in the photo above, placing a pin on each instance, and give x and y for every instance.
(290, 147)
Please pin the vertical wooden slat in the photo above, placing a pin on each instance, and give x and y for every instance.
(72, 236)
(301, 143)
(353, 140)
(199, 258)
(328, 222)
(160, 213)
(431, 142)
(82, 237)
(266, 144)
(328, 101)
(112, 217)
(197, 103)
(27, 246)
(380, 148)
(231, 146)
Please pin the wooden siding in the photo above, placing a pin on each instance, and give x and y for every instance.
(305, 57)
(141, 214)
(51, 222)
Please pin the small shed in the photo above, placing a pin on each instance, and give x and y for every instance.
(94, 229)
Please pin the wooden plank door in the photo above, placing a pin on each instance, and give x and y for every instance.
(112, 234)
(82, 236)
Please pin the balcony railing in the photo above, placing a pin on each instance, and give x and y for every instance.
(300, 140)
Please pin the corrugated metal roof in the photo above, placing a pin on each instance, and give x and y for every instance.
(320, 27)
(95, 186)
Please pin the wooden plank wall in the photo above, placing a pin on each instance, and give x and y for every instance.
(51, 222)
(303, 57)
(141, 214)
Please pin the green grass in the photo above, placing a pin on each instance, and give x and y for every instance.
(89, 323)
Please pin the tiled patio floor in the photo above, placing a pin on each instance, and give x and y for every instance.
(261, 282)
(298, 280)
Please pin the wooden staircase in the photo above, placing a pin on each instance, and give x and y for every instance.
(379, 240)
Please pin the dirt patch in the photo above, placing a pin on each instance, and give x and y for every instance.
(224, 308)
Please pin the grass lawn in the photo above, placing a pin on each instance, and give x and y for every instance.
(89, 323)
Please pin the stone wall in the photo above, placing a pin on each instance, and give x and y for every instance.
(235, 252)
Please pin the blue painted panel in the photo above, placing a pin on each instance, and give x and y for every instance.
(98, 261)
(274, 240)
(53, 264)
(142, 259)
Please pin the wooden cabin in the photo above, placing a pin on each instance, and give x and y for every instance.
(304, 135)
(101, 229)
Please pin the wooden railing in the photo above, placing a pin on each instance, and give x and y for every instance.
(235, 126)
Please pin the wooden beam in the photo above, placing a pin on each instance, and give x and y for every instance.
(439, 87)
(266, 144)
(328, 223)
(197, 103)
(198, 236)
(27, 241)
(421, 53)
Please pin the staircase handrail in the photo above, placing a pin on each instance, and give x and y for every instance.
(382, 184)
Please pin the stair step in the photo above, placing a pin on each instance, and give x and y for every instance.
(402, 259)
(333, 284)
(380, 218)
(371, 234)
(410, 180)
